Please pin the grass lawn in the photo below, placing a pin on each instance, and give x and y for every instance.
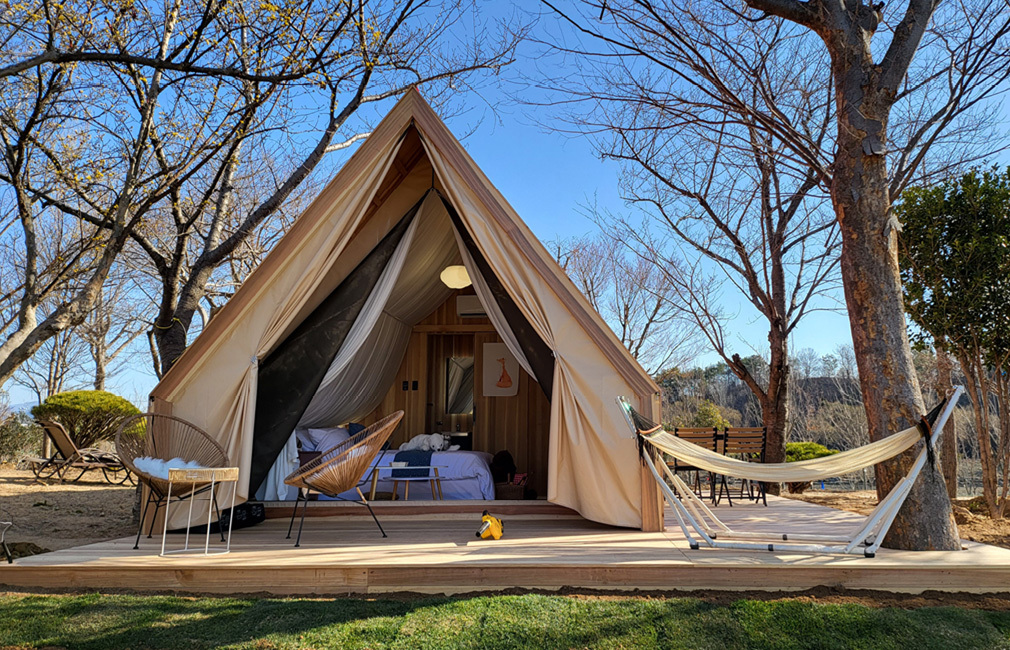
(526, 621)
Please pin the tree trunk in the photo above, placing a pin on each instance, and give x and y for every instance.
(100, 372)
(977, 383)
(873, 295)
(775, 405)
(948, 439)
(171, 330)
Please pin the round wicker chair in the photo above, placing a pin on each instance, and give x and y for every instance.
(340, 469)
(166, 437)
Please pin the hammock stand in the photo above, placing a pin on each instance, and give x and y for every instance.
(863, 539)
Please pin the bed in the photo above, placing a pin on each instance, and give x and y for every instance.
(466, 475)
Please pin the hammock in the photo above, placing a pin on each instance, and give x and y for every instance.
(692, 513)
(839, 464)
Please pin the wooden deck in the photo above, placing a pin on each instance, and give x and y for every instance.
(435, 551)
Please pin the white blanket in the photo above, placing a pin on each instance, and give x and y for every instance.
(158, 468)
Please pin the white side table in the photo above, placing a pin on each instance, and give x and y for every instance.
(214, 476)
(433, 479)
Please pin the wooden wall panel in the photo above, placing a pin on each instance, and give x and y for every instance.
(520, 424)
(411, 401)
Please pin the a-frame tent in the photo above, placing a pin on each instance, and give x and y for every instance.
(314, 331)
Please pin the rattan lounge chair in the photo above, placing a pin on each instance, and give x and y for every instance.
(340, 469)
(68, 459)
(166, 437)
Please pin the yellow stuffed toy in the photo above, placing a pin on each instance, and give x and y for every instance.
(490, 526)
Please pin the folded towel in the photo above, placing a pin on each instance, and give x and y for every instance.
(412, 457)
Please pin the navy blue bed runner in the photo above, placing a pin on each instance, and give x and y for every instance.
(413, 457)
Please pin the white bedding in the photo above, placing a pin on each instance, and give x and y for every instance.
(466, 475)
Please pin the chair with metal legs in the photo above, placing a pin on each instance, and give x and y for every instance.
(165, 437)
(706, 437)
(340, 469)
(746, 443)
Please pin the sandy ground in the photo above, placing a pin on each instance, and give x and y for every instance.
(973, 527)
(54, 516)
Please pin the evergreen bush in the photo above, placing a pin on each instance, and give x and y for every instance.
(804, 451)
(89, 416)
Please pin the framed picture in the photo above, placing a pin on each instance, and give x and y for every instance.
(501, 371)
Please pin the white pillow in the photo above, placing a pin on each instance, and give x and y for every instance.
(324, 439)
(158, 468)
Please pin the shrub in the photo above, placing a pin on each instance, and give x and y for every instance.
(89, 416)
(804, 451)
(19, 437)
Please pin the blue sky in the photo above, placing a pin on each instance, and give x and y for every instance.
(547, 177)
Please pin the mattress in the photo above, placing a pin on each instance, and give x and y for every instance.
(465, 475)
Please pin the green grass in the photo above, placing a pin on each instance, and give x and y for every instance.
(527, 621)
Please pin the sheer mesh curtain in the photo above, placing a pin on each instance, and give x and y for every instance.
(366, 365)
(491, 307)
(287, 461)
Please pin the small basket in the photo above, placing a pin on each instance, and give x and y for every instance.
(508, 492)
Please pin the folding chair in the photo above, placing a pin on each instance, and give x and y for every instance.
(745, 443)
(68, 457)
(706, 437)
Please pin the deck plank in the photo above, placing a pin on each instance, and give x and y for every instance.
(438, 552)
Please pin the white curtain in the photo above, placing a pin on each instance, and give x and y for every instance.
(491, 307)
(408, 291)
(273, 488)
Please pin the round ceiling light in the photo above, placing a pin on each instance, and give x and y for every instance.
(455, 277)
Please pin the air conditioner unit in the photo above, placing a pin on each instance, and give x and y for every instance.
(470, 307)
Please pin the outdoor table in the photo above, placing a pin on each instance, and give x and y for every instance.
(216, 476)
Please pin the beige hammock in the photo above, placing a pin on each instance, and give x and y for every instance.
(845, 462)
(692, 513)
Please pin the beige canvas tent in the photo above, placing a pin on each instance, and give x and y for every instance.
(339, 321)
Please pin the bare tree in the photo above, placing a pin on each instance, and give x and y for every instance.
(631, 294)
(888, 122)
(384, 50)
(57, 266)
(58, 366)
(140, 122)
(111, 328)
(726, 202)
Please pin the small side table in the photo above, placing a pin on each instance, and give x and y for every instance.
(434, 480)
(214, 476)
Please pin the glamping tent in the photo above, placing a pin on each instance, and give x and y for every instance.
(348, 319)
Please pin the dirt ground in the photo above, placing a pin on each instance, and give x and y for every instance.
(54, 516)
(973, 527)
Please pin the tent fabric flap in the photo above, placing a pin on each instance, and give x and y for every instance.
(291, 373)
(219, 390)
(593, 463)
